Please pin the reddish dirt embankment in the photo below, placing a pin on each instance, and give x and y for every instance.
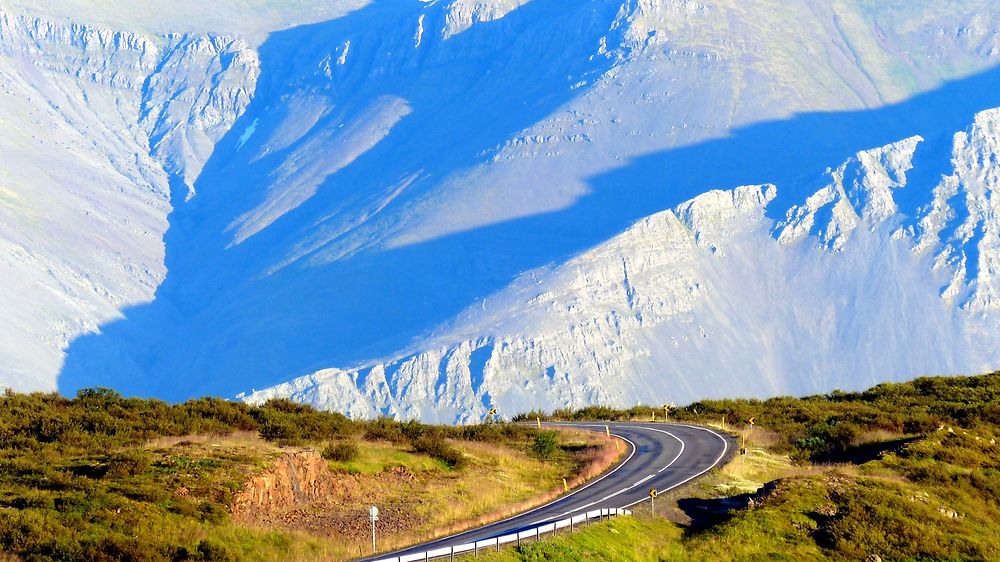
(300, 492)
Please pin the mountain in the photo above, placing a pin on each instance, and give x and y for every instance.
(426, 208)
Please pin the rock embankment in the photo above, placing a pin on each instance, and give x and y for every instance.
(300, 492)
(296, 479)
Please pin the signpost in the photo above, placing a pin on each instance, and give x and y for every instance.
(373, 513)
(743, 450)
(652, 498)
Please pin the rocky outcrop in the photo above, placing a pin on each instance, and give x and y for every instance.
(860, 194)
(962, 224)
(296, 479)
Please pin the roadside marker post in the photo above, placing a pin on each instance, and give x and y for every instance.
(539, 422)
(373, 514)
(607, 430)
(565, 486)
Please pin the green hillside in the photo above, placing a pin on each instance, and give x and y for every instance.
(898, 472)
(102, 477)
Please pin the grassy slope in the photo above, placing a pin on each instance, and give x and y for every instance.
(935, 497)
(106, 478)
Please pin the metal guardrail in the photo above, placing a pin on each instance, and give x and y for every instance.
(533, 533)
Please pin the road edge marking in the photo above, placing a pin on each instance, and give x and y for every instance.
(725, 449)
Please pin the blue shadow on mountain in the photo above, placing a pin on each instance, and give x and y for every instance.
(219, 326)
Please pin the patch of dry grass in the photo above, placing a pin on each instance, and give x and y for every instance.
(251, 438)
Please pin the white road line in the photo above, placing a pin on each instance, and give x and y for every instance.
(641, 481)
(623, 490)
(725, 449)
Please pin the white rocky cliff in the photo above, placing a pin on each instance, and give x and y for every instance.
(428, 208)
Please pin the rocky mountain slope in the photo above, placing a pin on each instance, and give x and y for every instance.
(427, 208)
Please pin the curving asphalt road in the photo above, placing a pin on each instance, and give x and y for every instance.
(662, 456)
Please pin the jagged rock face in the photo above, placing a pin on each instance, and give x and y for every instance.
(961, 223)
(860, 194)
(425, 208)
(296, 479)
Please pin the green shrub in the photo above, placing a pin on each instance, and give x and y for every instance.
(128, 463)
(546, 552)
(287, 406)
(545, 445)
(341, 452)
(210, 550)
(384, 429)
(436, 447)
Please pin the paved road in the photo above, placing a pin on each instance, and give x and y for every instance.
(662, 456)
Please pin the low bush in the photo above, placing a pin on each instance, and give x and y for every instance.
(545, 445)
(128, 463)
(384, 429)
(436, 447)
(341, 452)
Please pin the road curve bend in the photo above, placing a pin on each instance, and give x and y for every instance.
(662, 456)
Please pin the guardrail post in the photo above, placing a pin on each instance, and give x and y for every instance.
(536, 534)
(498, 544)
(452, 554)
